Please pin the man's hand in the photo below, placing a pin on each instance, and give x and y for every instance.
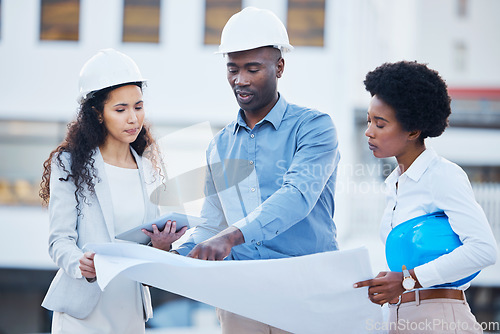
(384, 288)
(219, 246)
(164, 239)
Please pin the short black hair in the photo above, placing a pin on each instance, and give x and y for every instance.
(417, 93)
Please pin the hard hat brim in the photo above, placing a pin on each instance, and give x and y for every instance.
(283, 48)
(84, 95)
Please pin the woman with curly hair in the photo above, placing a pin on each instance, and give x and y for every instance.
(409, 103)
(95, 185)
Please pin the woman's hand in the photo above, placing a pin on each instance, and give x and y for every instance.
(87, 266)
(164, 239)
(384, 288)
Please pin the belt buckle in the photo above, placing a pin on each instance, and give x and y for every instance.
(399, 301)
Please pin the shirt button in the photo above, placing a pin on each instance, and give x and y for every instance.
(253, 189)
(258, 243)
(251, 162)
(252, 135)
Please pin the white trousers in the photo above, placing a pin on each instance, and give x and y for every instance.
(433, 316)
(236, 324)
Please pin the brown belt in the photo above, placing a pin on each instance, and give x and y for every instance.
(430, 294)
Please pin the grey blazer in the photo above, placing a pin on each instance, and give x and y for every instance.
(69, 291)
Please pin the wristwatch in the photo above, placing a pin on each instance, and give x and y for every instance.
(408, 281)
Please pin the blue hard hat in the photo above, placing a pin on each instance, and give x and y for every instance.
(421, 240)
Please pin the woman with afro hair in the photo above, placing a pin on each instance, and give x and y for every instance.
(95, 185)
(410, 103)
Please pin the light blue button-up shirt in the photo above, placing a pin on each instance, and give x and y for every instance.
(275, 182)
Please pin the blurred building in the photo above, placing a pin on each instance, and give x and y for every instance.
(44, 43)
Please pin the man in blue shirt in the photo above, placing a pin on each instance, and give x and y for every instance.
(271, 173)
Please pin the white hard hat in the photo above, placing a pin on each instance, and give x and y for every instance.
(253, 28)
(107, 68)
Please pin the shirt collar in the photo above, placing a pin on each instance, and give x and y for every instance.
(393, 177)
(416, 169)
(275, 116)
(420, 165)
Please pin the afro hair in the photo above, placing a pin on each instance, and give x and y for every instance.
(417, 93)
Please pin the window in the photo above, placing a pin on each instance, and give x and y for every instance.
(60, 20)
(27, 144)
(460, 56)
(141, 21)
(306, 22)
(462, 6)
(217, 12)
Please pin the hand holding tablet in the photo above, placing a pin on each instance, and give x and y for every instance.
(136, 235)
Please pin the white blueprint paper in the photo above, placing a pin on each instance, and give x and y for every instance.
(307, 294)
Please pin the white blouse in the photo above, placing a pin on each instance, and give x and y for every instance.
(433, 184)
(127, 197)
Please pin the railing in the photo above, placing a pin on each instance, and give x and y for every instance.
(367, 207)
(488, 196)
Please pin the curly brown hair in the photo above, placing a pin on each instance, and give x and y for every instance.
(84, 136)
(417, 93)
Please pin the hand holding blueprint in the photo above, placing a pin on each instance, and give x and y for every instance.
(306, 294)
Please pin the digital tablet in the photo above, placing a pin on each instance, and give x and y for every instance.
(136, 235)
